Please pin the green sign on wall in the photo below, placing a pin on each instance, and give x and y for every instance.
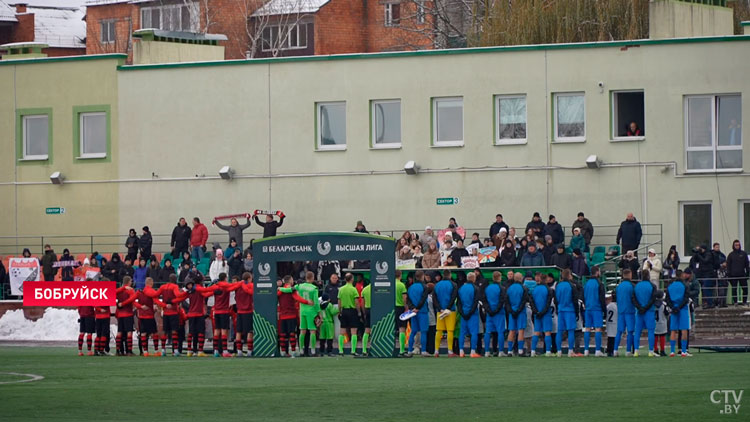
(55, 210)
(447, 201)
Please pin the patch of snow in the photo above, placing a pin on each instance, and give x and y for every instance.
(54, 325)
(59, 27)
(55, 4)
(7, 13)
(289, 7)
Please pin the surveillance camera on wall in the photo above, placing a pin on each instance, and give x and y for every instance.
(600, 84)
(56, 178)
(226, 173)
(411, 167)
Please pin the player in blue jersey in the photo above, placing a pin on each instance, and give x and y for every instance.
(541, 299)
(566, 299)
(416, 297)
(445, 294)
(494, 306)
(625, 312)
(468, 301)
(644, 296)
(679, 320)
(594, 303)
(515, 306)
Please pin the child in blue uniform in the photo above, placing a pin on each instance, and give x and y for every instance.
(494, 298)
(625, 312)
(644, 296)
(515, 306)
(566, 299)
(679, 320)
(416, 296)
(541, 299)
(593, 300)
(468, 299)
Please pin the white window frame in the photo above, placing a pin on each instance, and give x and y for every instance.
(162, 16)
(374, 131)
(26, 118)
(81, 131)
(389, 15)
(510, 141)
(443, 144)
(715, 147)
(613, 115)
(571, 139)
(319, 117)
(681, 222)
(107, 23)
(271, 45)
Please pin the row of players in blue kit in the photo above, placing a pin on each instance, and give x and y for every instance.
(505, 305)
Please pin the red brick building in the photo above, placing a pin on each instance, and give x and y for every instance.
(263, 28)
(57, 23)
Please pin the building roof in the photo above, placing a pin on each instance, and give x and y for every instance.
(289, 7)
(7, 13)
(50, 4)
(59, 27)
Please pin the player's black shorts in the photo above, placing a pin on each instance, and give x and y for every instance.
(349, 318)
(171, 323)
(288, 326)
(147, 326)
(367, 317)
(221, 321)
(125, 324)
(87, 324)
(245, 323)
(197, 325)
(102, 327)
(400, 310)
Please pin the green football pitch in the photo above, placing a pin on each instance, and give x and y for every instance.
(347, 389)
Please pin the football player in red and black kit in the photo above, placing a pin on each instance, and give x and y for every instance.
(244, 298)
(197, 294)
(288, 312)
(102, 315)
(171, 296)
(87, 327)
(221, 315)
(146, 322)
(125, 298)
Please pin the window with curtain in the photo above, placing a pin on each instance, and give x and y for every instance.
(386, 124)
(511, 119)
(570, 117)
(331, 126)
(713, 132)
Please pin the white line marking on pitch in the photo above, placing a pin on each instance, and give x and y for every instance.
(31, 377)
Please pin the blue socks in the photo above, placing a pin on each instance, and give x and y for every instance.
(547, 343)
(586, 340)
(684, 346)
(597, 341)
(672, 345)
(534, 341)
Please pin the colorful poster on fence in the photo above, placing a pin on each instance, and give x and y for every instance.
(469, 262)
(20, 270)
(85, 273)
(406, 264)
(487, 255)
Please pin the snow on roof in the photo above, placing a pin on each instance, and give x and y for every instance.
(104, 2)
(288, 7)
(59, 27)
(53, 4)
(7, 13)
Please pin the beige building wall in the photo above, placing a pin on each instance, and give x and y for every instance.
(148, 52)
(677, 19)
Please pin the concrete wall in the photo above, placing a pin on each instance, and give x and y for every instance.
(149, 52)
(675, 19)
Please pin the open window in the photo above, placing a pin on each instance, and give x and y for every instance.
(628, 116)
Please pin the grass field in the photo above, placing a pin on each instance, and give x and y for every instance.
(239, 389)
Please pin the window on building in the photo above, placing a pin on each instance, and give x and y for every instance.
(331, 131)
(628, 116)
(284, 38)
(510, 119)
(745, 223)
(713, 130)
(570, 117)
(392, 14)
(93, 135)
(174, 17)
(421, 12)
(386, 124)
(448, 121)
(107, 30)
(36, 137)
(696, 225)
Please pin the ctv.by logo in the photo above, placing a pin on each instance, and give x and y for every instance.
(731, 400)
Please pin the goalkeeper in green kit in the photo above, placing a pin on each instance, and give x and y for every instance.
(308, 313)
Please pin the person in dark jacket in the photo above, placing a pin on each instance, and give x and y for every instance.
(671, 263)
(48, 261)
(532, 257)
(554, 229)
(67, 264)
(132, 244)
(497, 225)
(360, 227)
(702, 264)
(507, 257)
(153, 269)
(126, 270)
(630, 262)
(579, 266)
(144, 244)
(561, 259)
(718, 256)
(536, 224)
(738, 269)
(270, 226)
(180, 238)
(235, 230)
(458, 252)
(630, 234)
(548, 250)
(587, 229)
(235, 264)
(26, 253)
(112, 268)
(166, 271)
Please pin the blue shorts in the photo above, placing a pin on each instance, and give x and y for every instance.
(470, 326)
(566, 321)
(517, 323)
(543, 324)
(495, 324)
(680, 320)
(626, 322)
(646, 320)
(594, 319)
(420, 322)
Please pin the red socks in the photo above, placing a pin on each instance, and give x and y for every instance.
(80, 342)
(88, 341)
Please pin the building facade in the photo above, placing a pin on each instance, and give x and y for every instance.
(57, 24)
